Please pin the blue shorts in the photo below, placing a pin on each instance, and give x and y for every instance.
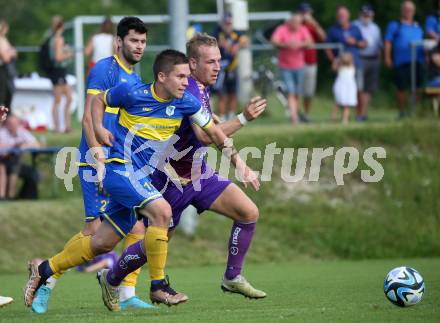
(126, 196)
(94, 201)
(201, 195)
(293, 79)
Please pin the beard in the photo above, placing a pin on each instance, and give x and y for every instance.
(129, 57)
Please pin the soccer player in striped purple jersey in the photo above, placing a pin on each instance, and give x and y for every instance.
(198, 184)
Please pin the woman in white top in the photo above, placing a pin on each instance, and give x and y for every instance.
(344, 88)
(101, 45)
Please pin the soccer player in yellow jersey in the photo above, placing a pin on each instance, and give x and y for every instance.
(108, 72)
(150, 114)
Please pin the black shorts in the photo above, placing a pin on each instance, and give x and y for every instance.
(402, 76)
(226, 82)
(58, 76)
(6, 87)
(12, 162)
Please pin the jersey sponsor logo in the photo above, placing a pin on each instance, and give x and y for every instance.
(128, 258)
(170, 110)
(123, 262)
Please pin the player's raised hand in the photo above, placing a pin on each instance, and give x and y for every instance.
(104, 137)
(255, 108)
(99, 162)
(248, 176)
(3, 112)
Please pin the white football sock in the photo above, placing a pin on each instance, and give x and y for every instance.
(126, 292)
(51, 282)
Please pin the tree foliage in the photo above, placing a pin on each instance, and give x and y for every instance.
(30, 19)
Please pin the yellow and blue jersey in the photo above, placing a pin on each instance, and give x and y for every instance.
(107, 73)
(146, 122)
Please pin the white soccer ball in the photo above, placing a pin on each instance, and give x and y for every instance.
(404, 286)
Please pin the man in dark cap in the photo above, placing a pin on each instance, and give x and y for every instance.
(370, 57)
(310, 55)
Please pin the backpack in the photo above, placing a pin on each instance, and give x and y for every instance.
(45, 62)
(399, 28)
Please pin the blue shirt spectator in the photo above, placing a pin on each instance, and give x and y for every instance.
(401, 35)
(432, 27)
(337, 34)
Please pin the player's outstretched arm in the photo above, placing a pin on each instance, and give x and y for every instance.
(254, 108)
(225, 145)
(103, 136)
(87, 124)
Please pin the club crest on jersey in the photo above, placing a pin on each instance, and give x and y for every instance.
(170, 110)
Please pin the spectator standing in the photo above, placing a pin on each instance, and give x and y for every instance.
(432, 24)
(102, 44)
(317, 34)
(434, 67)
(14, 135)
(291, 39)
(349, 35)
(230, 41)
(345, 88)
(3, 176)
(60, 54)
(8, 54)
(370, 57)
(398, 39)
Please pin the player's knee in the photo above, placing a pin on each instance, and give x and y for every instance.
(101, 245)
(91, 227)
(138, 228)
(163, 214)
(251, 213)
(159, 216)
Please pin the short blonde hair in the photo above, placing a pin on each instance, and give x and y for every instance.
(346, 59)
(198, 40)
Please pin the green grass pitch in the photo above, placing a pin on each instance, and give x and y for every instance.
(301, 291)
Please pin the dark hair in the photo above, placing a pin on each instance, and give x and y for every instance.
(107, 26)
(166, 60)
(128, 23)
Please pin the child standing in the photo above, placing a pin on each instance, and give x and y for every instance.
(345, 89)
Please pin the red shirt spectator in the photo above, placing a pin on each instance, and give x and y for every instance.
(310, 54)
(291, 49)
